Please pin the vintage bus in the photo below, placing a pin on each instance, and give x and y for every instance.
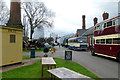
(78, 43)
(107, 38)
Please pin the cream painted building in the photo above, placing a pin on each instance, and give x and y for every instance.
(10, 45)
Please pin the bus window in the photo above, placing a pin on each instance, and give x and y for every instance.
(109, 24)
(102, 41)
(95, 28)
(113, 23)
(116, 41)
(79, 40)
(76, 40)
(119, 21)
(108, 41)
(116, 22)
(104, 25)
(84, 39)
(98, 41)
(98, 27)
(70, 40)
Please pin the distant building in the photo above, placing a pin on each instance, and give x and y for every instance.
(89, 34)
(53, 35)
(81, 31)
(61, 39)
(38, 33)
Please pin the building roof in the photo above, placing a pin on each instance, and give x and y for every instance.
(89, 31)
(81, 31)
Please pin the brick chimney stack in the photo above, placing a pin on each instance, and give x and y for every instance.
(105, 15)
(15, 15)
(95, 20)
(83, 22)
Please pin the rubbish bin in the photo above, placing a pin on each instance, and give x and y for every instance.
(32, 53)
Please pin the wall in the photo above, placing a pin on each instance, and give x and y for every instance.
(11, 52)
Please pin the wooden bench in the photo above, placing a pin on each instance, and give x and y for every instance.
(48, 62)
(64, 73)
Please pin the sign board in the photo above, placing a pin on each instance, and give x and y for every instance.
(68, 55)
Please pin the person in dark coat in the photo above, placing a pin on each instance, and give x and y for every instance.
(46, 50)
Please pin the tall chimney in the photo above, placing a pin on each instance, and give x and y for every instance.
(105, 15)
(15, 15)
(95, 20)
(83, 22)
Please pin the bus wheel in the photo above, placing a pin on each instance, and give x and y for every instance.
(92, 52)
(74, 48)
(118, 58)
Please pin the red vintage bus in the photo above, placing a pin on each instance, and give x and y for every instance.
(107, 38)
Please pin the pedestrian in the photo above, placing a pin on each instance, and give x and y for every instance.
(59, 45)
(54, 50)
(46, 50)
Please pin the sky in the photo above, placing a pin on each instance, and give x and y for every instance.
(69, 13)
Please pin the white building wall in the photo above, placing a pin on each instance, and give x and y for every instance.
(38, 33)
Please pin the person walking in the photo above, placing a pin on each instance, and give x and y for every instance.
(46, 49)
(59, 45)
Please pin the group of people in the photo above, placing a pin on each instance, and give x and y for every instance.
(47, 49)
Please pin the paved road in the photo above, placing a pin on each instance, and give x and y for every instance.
(102, 67)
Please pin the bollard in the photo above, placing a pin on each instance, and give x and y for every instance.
(32, 53)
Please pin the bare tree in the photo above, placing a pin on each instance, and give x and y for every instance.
(37, 14)
(4, 13)
(25, 24)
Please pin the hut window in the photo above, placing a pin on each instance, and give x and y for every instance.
(12, 38)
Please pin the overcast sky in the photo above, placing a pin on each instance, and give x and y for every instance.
(69, 13)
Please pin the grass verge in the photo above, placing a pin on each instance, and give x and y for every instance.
(38, 50)
(28, 57)
(34, 70)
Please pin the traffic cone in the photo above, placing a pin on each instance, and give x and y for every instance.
(52, 52)
(44, 55)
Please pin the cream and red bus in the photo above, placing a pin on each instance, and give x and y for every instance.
(107, 38)
(78, 43)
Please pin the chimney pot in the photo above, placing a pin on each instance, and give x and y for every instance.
(95, 20)
(105, 15)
